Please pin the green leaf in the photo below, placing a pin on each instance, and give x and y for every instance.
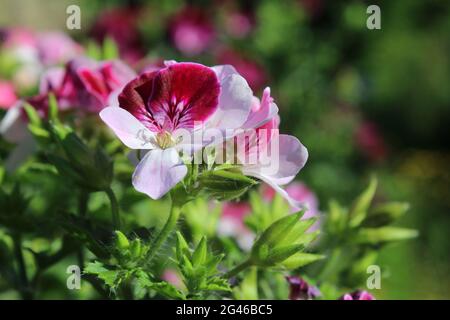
(110, 50)
(110, 277)
(299, 230)
(301, 259)
(362, 204)
(32, 114)
(52, 108)
(280, 254)
(385, 214)
(383, 235)
(276, 232)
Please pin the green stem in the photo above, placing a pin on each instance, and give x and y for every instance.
(114, 209)
(23, 278)
(240, 267)
(82, 209)
(165, 231)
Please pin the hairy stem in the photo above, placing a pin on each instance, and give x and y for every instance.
(166, 230)
(114, 209)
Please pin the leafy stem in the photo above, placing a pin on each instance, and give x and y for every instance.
(240, 267)
(114, 209)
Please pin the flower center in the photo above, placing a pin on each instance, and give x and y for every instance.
(165, 140)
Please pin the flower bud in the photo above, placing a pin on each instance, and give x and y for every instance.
(121, 241)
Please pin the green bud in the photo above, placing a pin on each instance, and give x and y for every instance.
(181, 247)
(225, 184)
(200, 253)
(121, 241)
(136, 248)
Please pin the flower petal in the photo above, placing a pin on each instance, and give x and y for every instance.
(158, 172)
(266, 111)
(235, 99)
(292, 157)
(127, 128)
(174, 97)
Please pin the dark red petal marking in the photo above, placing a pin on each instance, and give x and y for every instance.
(173, 97)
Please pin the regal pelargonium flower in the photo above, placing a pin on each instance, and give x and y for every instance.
(156, 106)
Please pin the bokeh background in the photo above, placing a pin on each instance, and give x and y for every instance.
(362, 101)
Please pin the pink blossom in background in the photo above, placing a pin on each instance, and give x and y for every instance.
(370, 142)
(173, 277)
(302, 194)
(191, 31)
(238, 24)
(121, 24)
(357, 295)
(232, 224)
(253, 72)
(56, 47)
(17, 37)
(8, 95)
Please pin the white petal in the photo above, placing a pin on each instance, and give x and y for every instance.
(158, 172)
(127, 128)
(235, 99)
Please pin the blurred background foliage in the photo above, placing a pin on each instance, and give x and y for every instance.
(362, 101)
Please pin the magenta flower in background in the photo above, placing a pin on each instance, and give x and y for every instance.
(253, 72)
(121, 24)
(370, 142)
(238, 24)
(299, 289)
(191, 31)
(357, 295)
(98, 82)
(8, 95)
(83, 83)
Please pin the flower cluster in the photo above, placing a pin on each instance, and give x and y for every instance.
(160, 111)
